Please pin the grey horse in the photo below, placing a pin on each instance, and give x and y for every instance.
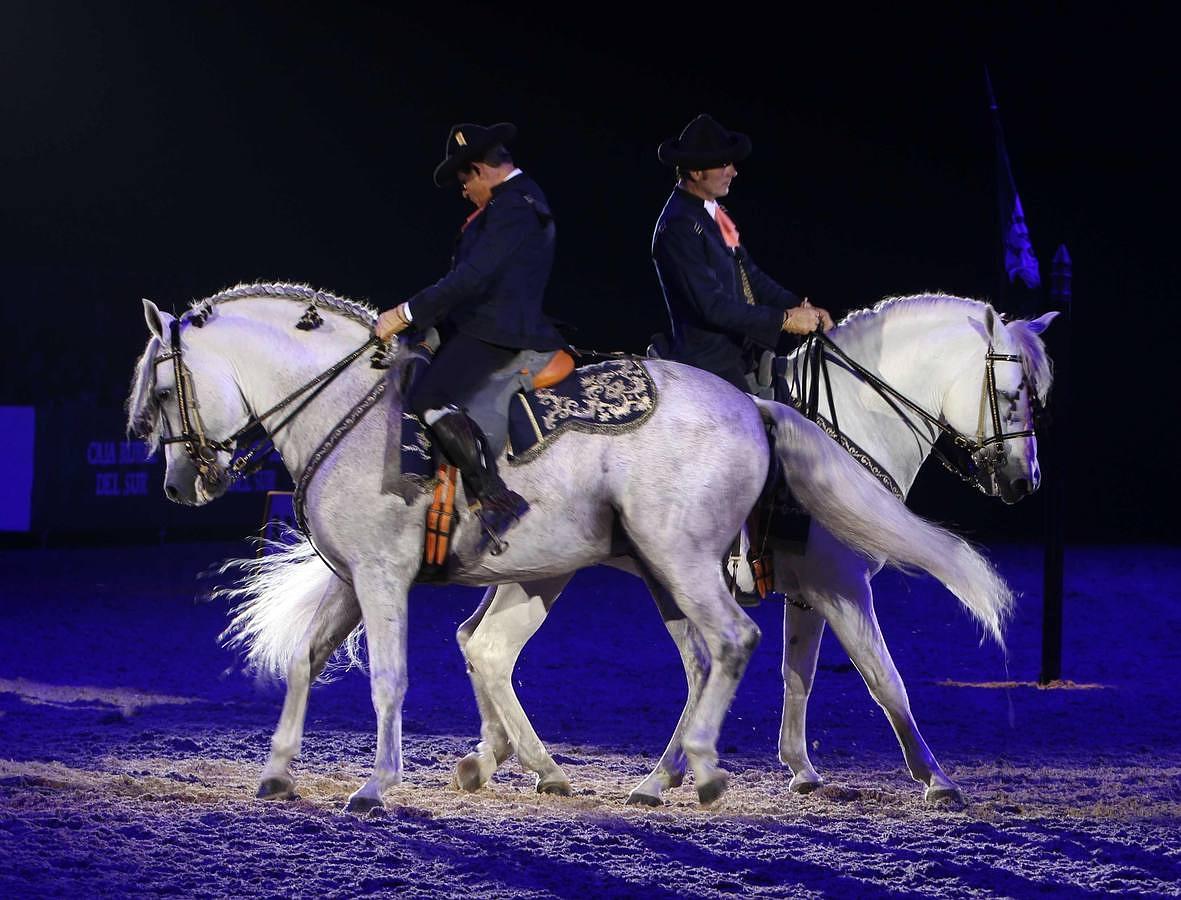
(676, 490)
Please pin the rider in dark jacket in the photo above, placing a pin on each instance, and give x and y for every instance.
(721, 306)
(488, 307)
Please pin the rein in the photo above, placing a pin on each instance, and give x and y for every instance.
(979, 458)
(201, 451)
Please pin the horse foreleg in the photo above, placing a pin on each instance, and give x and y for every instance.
(335, 618)
(852, 618)
(506, 621)
(383, 599)
(802, 631)
(669, 771)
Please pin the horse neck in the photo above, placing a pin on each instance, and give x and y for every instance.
(918, 355)
(272, 360)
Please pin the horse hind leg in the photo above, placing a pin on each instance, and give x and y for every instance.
(730, 636)
(669, 771)
(335, 618)
(507, 618)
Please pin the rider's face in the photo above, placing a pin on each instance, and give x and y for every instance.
(715, 183)
(477, 184)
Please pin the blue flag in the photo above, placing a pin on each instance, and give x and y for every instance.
(1019, 259)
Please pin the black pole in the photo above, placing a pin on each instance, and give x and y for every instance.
(1053, 564)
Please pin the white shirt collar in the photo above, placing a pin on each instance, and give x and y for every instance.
(711, 207)
(513, 174)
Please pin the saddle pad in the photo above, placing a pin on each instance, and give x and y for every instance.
(611, 396)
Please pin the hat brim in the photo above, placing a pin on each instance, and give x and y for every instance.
(736, 149)
(501, 133)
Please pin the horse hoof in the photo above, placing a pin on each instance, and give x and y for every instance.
(557, 788)
(362, 805)
(712, 790)
(467, 774)
(805, 785)
(949, 798)
(635, 798)
(276, 789)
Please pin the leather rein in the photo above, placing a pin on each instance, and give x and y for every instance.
(977, 459)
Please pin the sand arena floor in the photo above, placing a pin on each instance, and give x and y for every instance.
(130, 746)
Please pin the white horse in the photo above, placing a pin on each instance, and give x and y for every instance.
(963, 371)
(239, 358)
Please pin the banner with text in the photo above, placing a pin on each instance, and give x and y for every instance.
(90, 476)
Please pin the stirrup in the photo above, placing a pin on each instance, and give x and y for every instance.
(497, 515)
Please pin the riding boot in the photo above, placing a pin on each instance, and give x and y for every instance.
(497, 507)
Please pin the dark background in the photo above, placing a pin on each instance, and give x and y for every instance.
(169, 150)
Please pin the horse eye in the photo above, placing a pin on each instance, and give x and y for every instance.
(163, 394)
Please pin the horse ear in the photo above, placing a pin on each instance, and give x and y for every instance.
(158, 321)
(982, 328)
(1042, 322)
(990, 320)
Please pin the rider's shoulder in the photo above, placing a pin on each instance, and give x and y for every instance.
(521, 192)
(679, 219)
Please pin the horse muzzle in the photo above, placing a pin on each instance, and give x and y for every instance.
(192, 485)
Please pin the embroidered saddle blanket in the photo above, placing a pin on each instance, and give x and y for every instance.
(613, 396)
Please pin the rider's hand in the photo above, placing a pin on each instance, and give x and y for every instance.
(802, 319)
(390, 322)
(825, 319)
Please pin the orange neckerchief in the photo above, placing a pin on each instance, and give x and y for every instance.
(729, 229)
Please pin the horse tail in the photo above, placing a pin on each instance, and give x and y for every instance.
(281, 595)
(859, 511)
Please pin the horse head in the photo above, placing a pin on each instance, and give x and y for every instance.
(996, 399)
(164, 407)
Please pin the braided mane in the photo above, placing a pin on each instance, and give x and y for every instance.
(361, 313)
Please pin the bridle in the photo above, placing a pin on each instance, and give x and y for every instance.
(976, 460)
(201, 451)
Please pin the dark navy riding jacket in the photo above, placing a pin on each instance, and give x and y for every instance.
(498, 275)
(712, 323)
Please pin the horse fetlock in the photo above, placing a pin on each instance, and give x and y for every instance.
(700, 747)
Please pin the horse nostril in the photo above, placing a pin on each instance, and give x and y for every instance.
(173, 493)
(1021, 486)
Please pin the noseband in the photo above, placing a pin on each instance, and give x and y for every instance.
(989, 454)
(976, 460)
(200, 450)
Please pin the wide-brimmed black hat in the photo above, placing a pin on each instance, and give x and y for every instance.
(467, 143)
(704, 144)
